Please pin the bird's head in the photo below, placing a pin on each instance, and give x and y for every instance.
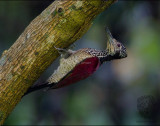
(114, 48)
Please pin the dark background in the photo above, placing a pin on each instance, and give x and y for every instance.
(110, 95)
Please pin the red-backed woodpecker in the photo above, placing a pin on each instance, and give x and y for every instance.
(78, 65)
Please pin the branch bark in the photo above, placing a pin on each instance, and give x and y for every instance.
(60, 25)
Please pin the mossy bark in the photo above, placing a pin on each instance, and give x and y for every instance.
(60, 25)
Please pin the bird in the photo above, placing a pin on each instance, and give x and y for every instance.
(78, 65)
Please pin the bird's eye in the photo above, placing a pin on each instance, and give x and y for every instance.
(118, 45)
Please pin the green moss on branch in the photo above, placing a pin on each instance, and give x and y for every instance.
(60, 25)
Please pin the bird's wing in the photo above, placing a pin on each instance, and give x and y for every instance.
(80, 72)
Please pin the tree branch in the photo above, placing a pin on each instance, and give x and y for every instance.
(61, 24)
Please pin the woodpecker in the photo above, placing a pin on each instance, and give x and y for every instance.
(78, 65)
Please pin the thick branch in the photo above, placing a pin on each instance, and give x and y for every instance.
(61, 24)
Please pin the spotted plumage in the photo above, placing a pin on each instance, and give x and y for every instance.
(98, 53)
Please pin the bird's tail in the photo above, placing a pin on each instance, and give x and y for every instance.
(37, 87)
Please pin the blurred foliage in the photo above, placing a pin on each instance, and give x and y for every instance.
(110, 95)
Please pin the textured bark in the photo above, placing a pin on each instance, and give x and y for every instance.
(61, 24)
